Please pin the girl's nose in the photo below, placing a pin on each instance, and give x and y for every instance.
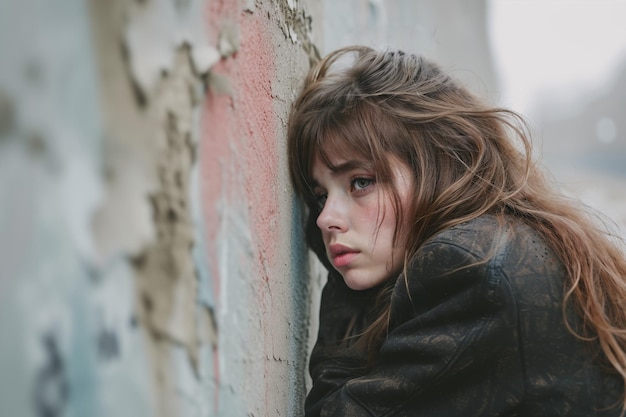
(333, 216)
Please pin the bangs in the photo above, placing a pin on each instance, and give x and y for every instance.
(361, 132)
(347, 140)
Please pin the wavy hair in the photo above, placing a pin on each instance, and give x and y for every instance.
(467, 159)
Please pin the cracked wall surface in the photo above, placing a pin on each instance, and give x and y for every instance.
(152, 261)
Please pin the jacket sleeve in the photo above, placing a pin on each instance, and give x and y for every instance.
(452, 348)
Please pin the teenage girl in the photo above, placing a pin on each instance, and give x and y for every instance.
(461, 283)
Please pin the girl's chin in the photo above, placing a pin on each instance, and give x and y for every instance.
(358, 284)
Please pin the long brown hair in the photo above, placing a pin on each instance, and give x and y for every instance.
(467, 158)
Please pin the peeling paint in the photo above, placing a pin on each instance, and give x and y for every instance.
(156, 29)
(166, 273)
(135, 291)
(296, 26)
(228, 42)
(165, 57)
(249, 6)
(292, 35)
(204, 57)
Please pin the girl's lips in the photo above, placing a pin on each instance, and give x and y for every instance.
(342, 255)
(344, 259)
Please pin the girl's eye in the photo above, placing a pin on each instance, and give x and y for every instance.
(359, 184)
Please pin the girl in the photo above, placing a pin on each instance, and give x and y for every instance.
(460, 283)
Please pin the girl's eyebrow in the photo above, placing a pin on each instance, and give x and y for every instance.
(349, 166)
(343, 168)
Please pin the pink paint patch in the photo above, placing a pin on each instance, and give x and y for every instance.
(259, 118)
(238, 153)
(239, 140)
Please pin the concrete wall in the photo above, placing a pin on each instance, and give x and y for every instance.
(150, 264)
(151, 259)
(452, 32)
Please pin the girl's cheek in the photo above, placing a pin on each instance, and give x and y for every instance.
(371, 213)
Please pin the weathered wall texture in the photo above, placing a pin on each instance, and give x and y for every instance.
(150, 258)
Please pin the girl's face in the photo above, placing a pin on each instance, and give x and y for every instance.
(358, 219)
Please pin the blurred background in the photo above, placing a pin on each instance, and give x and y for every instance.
(563, 65)
(152, 261)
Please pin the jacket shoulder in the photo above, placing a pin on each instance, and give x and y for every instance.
(477, 256)
(490, 236)
(479, 236)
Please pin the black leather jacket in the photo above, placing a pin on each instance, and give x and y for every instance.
(477, 329)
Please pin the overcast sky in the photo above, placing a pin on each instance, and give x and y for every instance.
(556, 47)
